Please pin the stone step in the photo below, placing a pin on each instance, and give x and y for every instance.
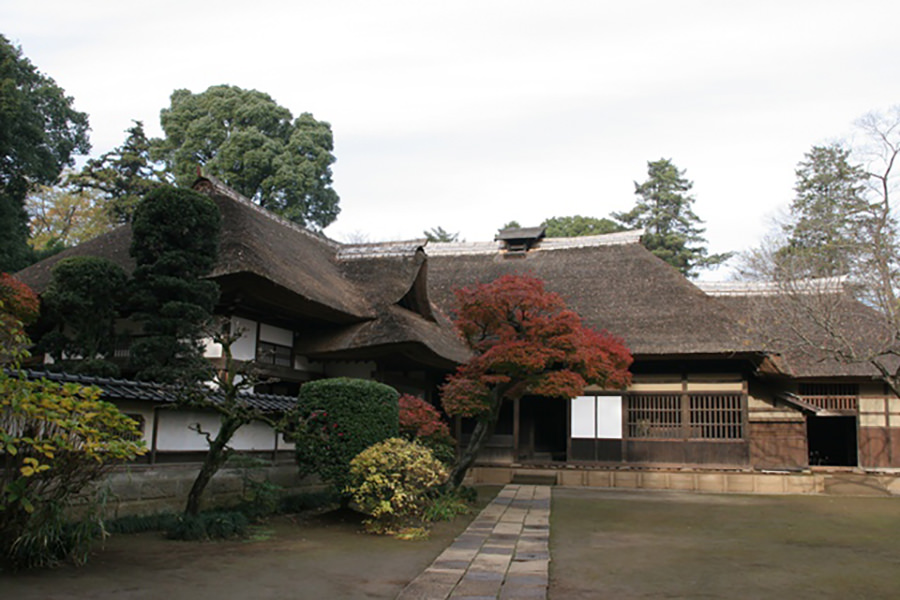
(534, 478)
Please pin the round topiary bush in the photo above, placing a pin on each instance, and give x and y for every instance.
(338, 419)
(390, 481)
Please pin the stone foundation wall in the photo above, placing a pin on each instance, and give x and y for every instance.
(144, 489)
(815, 482)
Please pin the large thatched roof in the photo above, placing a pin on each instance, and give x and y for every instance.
(359, 300)
(612, 281)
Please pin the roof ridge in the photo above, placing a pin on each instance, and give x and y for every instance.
(380, 249)
(222, 189)
(817, 285)
(555, 243)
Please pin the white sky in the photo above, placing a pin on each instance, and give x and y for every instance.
(468, 114)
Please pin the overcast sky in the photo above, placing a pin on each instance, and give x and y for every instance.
(468, 114)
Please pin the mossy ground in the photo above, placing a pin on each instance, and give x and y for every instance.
(611, 544)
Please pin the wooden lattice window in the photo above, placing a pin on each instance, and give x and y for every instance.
(654, 416)
(274, 354)
(685, 416)
(831, 396)
(716, 417)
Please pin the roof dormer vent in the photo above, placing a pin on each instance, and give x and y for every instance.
(519, 240)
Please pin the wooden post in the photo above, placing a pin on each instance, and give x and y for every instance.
(516, 416)
(155, 435)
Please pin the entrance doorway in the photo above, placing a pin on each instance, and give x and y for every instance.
(542, 436)
(832, 441)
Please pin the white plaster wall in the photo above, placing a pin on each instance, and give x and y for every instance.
(245, 347)
(175, 434)
(276, 335)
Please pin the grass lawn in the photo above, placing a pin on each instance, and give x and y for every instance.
(309, 556)
(615, 544)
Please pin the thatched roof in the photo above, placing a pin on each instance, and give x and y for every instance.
(355, 292)
(612, 281)
(792, 326)
(113, 246)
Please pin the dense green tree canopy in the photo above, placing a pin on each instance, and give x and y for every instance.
(81, 304)
(577, 225)
(671, 229)
(122, 176)
(247, 140)
(39, 134)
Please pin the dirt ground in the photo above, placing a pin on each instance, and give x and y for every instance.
(611, 544)
(315, 556)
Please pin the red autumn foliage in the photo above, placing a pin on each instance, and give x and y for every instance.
(421, 420)
(527, 341)
(17, 299)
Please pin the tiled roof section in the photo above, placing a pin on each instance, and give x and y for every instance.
(547, 244)
(145, 391)
(380, 249)
(771, 288)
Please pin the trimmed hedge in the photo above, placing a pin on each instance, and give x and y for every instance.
(339, 418)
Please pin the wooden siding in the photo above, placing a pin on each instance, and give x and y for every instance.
(778, 445)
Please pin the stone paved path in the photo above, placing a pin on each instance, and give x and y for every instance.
(504, 553)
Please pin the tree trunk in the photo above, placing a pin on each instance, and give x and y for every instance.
(484, 428)
(212, 462)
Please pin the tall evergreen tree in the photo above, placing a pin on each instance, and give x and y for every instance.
(438, 234)
(123, 175)
(829, 213)
(39, 133)
(175, 243)
(671, 229)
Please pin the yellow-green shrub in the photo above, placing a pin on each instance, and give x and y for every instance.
(390, 481)
(54, 440)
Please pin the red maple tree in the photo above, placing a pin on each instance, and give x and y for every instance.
(525, 341)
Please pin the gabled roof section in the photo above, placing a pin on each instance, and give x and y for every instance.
(397, 332)
(612, 281)
(258, 242)
(769, 316)
(393, 273)
(113, 245)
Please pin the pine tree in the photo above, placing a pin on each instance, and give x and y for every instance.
(671, 229)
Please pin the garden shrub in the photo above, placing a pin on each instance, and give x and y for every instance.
(260, 497)
(446, 504)
(338, 419)
(421, 422)
(213, 525)
(391, 481)
(308, 501)
(160, 521)
(55, 439)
